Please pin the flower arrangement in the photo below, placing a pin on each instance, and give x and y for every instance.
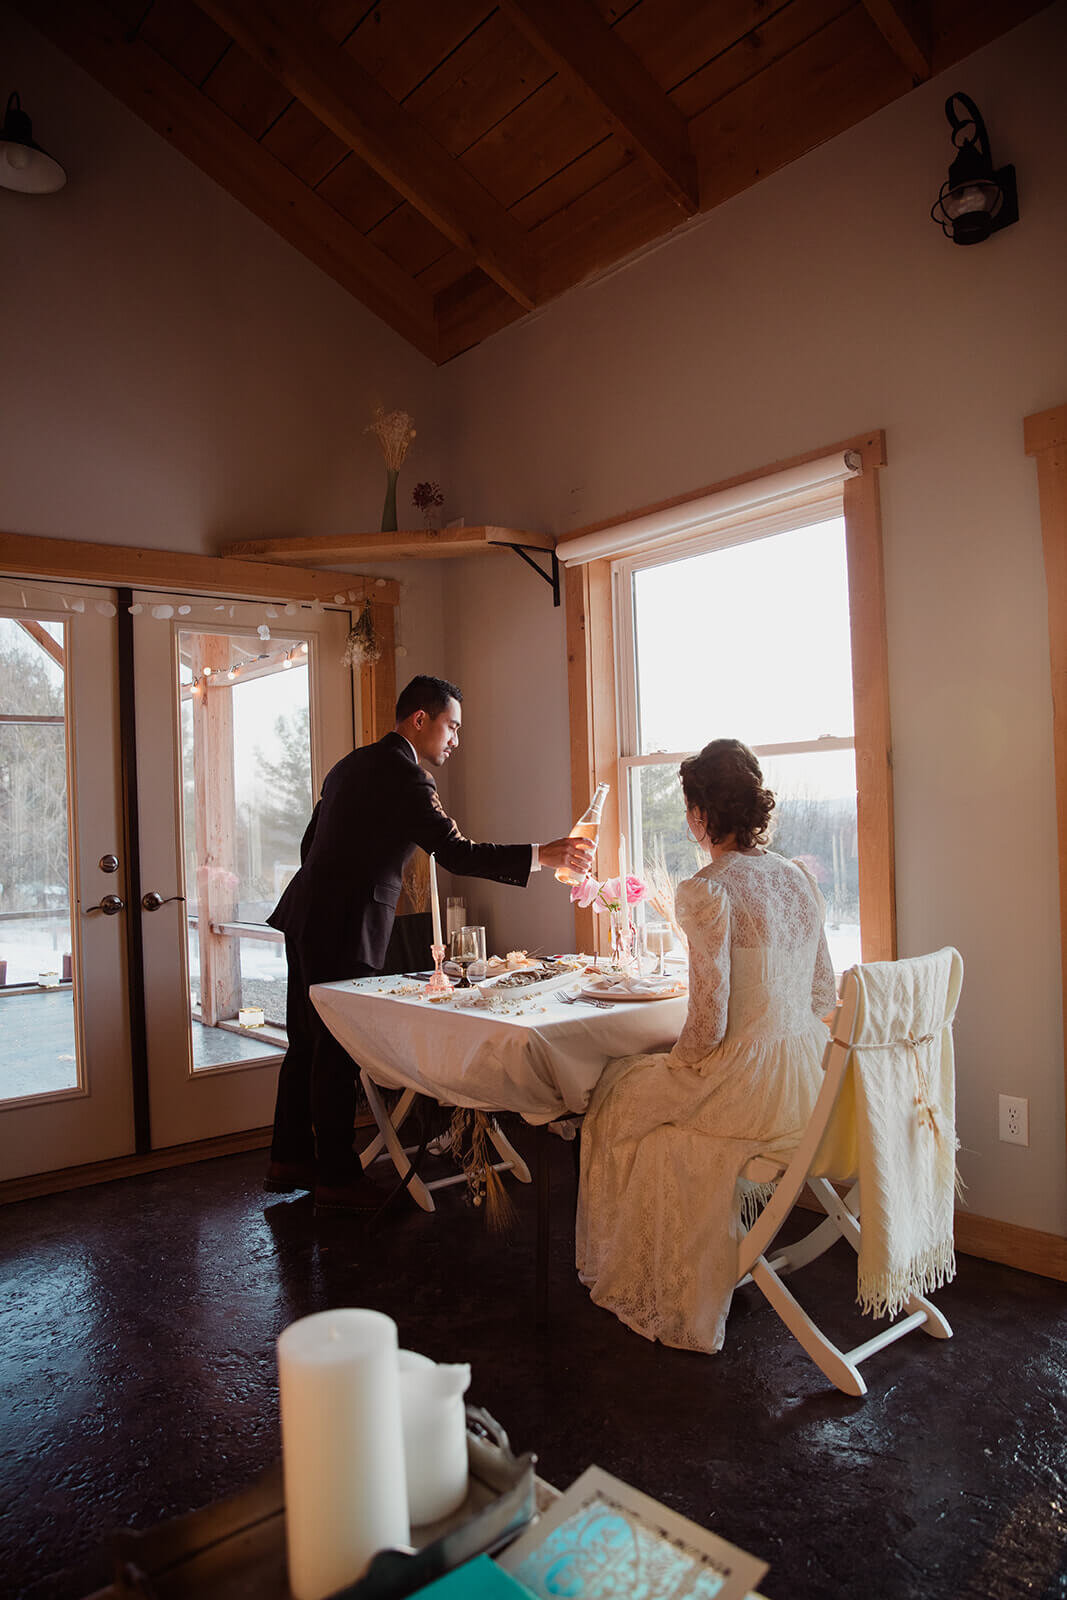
(607, 896)
(426, 497)
(394, 431)
(362, 647)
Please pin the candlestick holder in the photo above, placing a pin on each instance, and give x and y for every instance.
(438, 983)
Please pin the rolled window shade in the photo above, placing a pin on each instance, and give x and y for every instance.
(744, 500)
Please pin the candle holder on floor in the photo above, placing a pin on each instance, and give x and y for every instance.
(438, 983)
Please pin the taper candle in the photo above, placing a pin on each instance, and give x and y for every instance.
(622, 874)
(342, 1447)
(435, 904)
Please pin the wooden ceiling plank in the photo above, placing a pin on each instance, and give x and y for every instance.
(401, 44)
(905, 27)
(182, 35)
(349, 102)
(755, 51)
(575, 39)
(480, 84)
(162, 97)
(248, 95)
(834, 80)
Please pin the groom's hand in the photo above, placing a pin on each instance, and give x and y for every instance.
(575, 855)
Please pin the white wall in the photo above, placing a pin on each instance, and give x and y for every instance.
(819, 304)
(175, 374)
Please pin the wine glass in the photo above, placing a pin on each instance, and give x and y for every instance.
(467, 947)
(659, 939)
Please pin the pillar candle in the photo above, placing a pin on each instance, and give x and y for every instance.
(342, 1447)
(435, 904)
(435, 1435)
(622, 875)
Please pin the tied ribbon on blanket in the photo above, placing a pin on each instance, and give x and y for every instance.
(475, 1157)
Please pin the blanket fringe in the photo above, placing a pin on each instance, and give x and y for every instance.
(752, 1197)
(885, 1294)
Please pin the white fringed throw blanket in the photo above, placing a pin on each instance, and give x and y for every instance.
(905, 1108)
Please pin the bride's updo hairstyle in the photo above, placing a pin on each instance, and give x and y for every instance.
(725, 782)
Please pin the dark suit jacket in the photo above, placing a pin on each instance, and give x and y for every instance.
(377, 804)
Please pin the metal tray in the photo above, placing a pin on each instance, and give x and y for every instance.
(235, 1549)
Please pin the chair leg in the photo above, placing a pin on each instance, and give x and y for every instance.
(936, 1325)
(842, 1373)
(508, 1153)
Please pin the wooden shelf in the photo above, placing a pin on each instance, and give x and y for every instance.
(434, 543)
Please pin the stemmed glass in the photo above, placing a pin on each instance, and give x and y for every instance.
(659, 939)
(467, 948)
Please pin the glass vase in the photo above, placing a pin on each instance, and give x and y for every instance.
(622, 941)
(389, 508)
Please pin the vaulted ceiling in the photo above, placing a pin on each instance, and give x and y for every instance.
(455, 163)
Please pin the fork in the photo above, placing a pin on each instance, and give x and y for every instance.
(583, 1000)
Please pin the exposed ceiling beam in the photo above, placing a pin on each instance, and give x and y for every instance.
(129, 69)
(574, 37)
(905, 27)
(296, 49)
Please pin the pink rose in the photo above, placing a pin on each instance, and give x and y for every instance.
(583, 894)
(635, 890)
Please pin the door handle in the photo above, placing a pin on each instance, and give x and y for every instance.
(153, 900)
(110, 905)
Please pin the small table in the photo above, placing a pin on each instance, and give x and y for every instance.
(532, 1054)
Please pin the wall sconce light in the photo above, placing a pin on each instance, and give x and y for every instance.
(975, 200)
(23, 164)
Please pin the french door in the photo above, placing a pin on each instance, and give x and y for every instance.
(159, 1022)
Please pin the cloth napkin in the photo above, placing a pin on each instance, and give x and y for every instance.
(904, 1080)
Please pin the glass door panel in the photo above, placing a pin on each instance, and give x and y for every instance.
(65, 1083)
(227, 770)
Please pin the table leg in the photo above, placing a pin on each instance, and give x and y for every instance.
(544, 1227)
(417, 1189)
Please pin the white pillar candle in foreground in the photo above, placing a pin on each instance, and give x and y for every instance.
(342, 1447)
(435, 1435)
(435, 904)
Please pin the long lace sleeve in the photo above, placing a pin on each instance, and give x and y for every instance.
(704, 912)
(823, 981)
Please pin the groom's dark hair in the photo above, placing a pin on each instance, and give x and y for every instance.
(426, 694)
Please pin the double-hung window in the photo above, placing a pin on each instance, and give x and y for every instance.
(753, 611)
(746, 636)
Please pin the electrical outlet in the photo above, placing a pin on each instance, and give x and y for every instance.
(1014, 1119)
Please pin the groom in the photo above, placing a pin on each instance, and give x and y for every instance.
(377, 804)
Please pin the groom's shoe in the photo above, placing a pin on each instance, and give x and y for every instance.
(286, 1177)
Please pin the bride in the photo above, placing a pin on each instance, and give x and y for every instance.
(661, 1203)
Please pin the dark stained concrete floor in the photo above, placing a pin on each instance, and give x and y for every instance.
(138, 1380)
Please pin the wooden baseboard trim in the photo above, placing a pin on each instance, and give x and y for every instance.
(179, 1155)
(1044, 1254)
(1026, 1248)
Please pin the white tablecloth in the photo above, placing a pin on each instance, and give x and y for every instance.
(541, 1058)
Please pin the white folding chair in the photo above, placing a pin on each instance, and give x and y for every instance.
(828, 1143)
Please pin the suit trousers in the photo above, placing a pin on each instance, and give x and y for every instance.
(316, 1105)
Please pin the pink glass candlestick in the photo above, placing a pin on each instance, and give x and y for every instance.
(438, 983)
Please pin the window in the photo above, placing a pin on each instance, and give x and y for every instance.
(746, 638)
(766, 623)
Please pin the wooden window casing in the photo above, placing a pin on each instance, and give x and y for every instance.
(591, 666)
(1045, 438)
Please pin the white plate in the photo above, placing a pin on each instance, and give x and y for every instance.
(602, 991)
(539, 984)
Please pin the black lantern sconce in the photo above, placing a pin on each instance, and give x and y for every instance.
(24, 166)
(975, 200)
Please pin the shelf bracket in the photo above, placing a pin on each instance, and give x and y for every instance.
(552, 577)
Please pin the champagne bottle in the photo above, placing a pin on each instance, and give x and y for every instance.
(587, 827)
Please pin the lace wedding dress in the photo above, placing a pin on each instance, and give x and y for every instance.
(666, 1136)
